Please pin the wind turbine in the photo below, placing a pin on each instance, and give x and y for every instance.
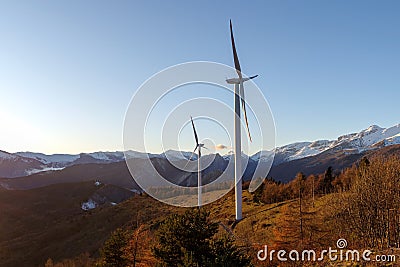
(239, 98)
(198, 148)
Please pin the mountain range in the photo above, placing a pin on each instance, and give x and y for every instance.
(24, 170)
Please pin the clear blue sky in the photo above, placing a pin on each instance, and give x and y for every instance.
(68, 69)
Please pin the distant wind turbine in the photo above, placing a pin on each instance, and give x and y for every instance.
(239, 98)
(198, 148)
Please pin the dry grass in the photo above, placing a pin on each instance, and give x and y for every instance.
(44, 223)
(48, 222)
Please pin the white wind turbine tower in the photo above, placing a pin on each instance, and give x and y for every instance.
(239, 97)
(198, 147)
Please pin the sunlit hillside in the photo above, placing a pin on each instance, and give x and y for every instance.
(48, 225)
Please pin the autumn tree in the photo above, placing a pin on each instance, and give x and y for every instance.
(343, 181)
(365, 208)
(257, 194)
(299, 183)
(310, 184)
(137, 250)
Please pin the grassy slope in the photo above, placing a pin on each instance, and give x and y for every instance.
(48, 223)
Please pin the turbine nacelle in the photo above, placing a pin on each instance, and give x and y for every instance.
(239, 81)
(198, 146)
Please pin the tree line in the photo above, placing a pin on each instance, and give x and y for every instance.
(364, 202)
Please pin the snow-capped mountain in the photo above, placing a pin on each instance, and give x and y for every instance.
(12, 165)
(264, 155)
(174, 155)
(130, 154)
(371, 138)
(27, 163)
(300, 150)
(61, 159)
(374, 137)
(394, 140)
(6, 155)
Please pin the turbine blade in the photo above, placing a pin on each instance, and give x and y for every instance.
(206, 147)
(194, 131)
(244, 109)
(191, 156)
(235, 56)
(199, 153)
(252, 77)
(184, 168)
(194, 150)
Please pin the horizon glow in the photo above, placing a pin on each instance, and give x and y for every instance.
(69, 69)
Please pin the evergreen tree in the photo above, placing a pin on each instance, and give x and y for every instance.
(112, 253)
(189, 240)
(328, 179)
(363, 166)
(186, 235)
(227, 254)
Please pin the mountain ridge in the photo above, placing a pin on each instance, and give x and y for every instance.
(21, 164)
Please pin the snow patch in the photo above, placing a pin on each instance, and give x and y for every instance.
(394, 140)
(33, 171)
(47, 159)
(5, 155)
(89, 205)
(107, 156)
(263, 156)
(130, 154)
(99, 155)
(174, 155)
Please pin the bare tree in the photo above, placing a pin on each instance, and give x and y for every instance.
(375, 191)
